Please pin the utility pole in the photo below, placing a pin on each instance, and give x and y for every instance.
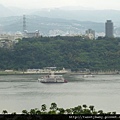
(24, 23)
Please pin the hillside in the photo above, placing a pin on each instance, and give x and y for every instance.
(74, 53)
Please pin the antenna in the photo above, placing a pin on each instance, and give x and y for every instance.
(24, 23)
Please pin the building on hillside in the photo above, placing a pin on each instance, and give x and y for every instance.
(31, 34)
(8, 40)
(109, 29)
(11, 37)
(90, 34)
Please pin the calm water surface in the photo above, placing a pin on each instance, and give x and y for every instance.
(19, 92)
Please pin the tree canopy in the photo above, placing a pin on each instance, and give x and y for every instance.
(74, 53)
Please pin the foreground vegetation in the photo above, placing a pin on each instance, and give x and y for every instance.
(55, 113)
(75, 53)
(54, 109)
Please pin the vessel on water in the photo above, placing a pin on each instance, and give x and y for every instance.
(52, 78)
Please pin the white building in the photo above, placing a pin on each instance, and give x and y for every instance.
(8, 40)
(31, 34)
(90, 34)
(11, 37)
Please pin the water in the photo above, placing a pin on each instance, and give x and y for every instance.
(19, 92)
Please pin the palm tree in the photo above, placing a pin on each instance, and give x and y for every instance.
(68, 111)
(14, 113)
(85, 106)
(32, 111)
(108, 113)
(77, 110)
(91, 108)
(25, 112)
(85, 110)
(4, 112)
(113, 113)
(53, 108)
(37, 111)
(100, 112)
(61, 110)
(43, 108)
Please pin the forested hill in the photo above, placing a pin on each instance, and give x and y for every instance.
(70, 52)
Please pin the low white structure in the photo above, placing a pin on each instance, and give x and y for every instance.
(31, 34)
(12, 37)
(47, 70)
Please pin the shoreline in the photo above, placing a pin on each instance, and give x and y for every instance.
(69, 73)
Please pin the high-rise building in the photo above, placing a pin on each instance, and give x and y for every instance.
(109, 29)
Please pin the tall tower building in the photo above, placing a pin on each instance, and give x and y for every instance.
(109, 29)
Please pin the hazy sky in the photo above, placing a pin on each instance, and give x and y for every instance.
(97, 4)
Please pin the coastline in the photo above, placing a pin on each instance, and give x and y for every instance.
(96, 73)
(63, 73)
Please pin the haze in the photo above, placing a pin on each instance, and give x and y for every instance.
(37, 4)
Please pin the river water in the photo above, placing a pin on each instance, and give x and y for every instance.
(19, 92)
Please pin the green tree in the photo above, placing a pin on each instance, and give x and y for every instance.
(43, 108)
(4, 112)
(91, 108)
(100, 112)
(68, 111)
(61, 110)
(53, 108)
(25, 112)
(84, 106)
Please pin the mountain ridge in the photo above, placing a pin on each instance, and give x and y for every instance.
(70, 13)
(57, 20)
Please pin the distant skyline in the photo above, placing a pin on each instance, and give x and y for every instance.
(38, 4)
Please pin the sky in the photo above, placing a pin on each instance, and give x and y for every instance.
(38, 4)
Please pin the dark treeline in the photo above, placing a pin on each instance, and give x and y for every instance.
(79, 112)
(54, 109)
(75, 53)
